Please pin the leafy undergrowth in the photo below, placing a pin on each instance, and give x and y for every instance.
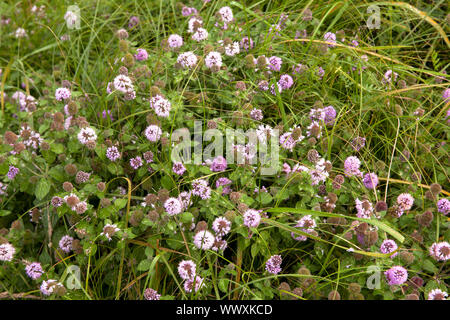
(355, 105)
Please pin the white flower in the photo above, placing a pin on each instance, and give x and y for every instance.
(86, 134)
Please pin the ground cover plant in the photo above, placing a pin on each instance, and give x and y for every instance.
(351, 97)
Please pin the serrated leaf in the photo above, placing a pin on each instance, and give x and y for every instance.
(42, 188)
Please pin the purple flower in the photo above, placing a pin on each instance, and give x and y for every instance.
(218, 164)
(443, 206)
(186, 269)
(320, 72)
(275, 63)
(34, 270)
(370, 180)
(305, 224)
(246, 43)
(141, 55)
(62, 94)
(437, 294)
(330, 115)
(204, 240)
(364, 208)
(136, 163)
(440, 251)
(396, 275)
(196, 283)
(388, 246)
(134, 21)
(153, 133)
(446, 95)
(285, 82)
(175, 41)
(112, 153)
(252, 218)
(221, 226)
(173, 206)
(224, 182)
(200, 188)
(178, 168)
(13, 171)
(151, 294)
(351, 166)
(330, 37)
(273, 265)
(405, 201)
(7, 252)
(256, 114)
(65, 244)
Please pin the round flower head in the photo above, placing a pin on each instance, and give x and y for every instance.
(306, 224)
(194, 23)
(187, 59)
(65, 244)
(405, 201)
(173, 206)
(221, 226)
(141, 55)
(273, 265)
(196, 283)
(437, 294)
(285, 82)
(443, 206)
(109, 230)
(252, 218)
(232, 49)
(50, 286)
(204, 240)
(396, 275)
(213, 59)
(200, 188)
(153, 133)
(151, 294)
(370, 180)
(200, 34)
(178, 168)
(161, 105)
(186, 269)
(219, 164)
(330, 115)
(12, 172)
(62, 94)
(351, 166)
(136, 163)
(256, 114)
(275, 63)
(112, 153)
(86, 135)
(440, 251)
(7, 252)
(446, 95)
(123, 83)
(226, 15)
(389, 76)
(246, 43)
(330, 37)
(388, 246)
(175, 41)
(34, 270)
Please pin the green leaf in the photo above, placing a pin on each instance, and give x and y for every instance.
(120, 203)
(4, 213)
(42, 188)
(429, 266)
(57, 148)
(144, 265)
